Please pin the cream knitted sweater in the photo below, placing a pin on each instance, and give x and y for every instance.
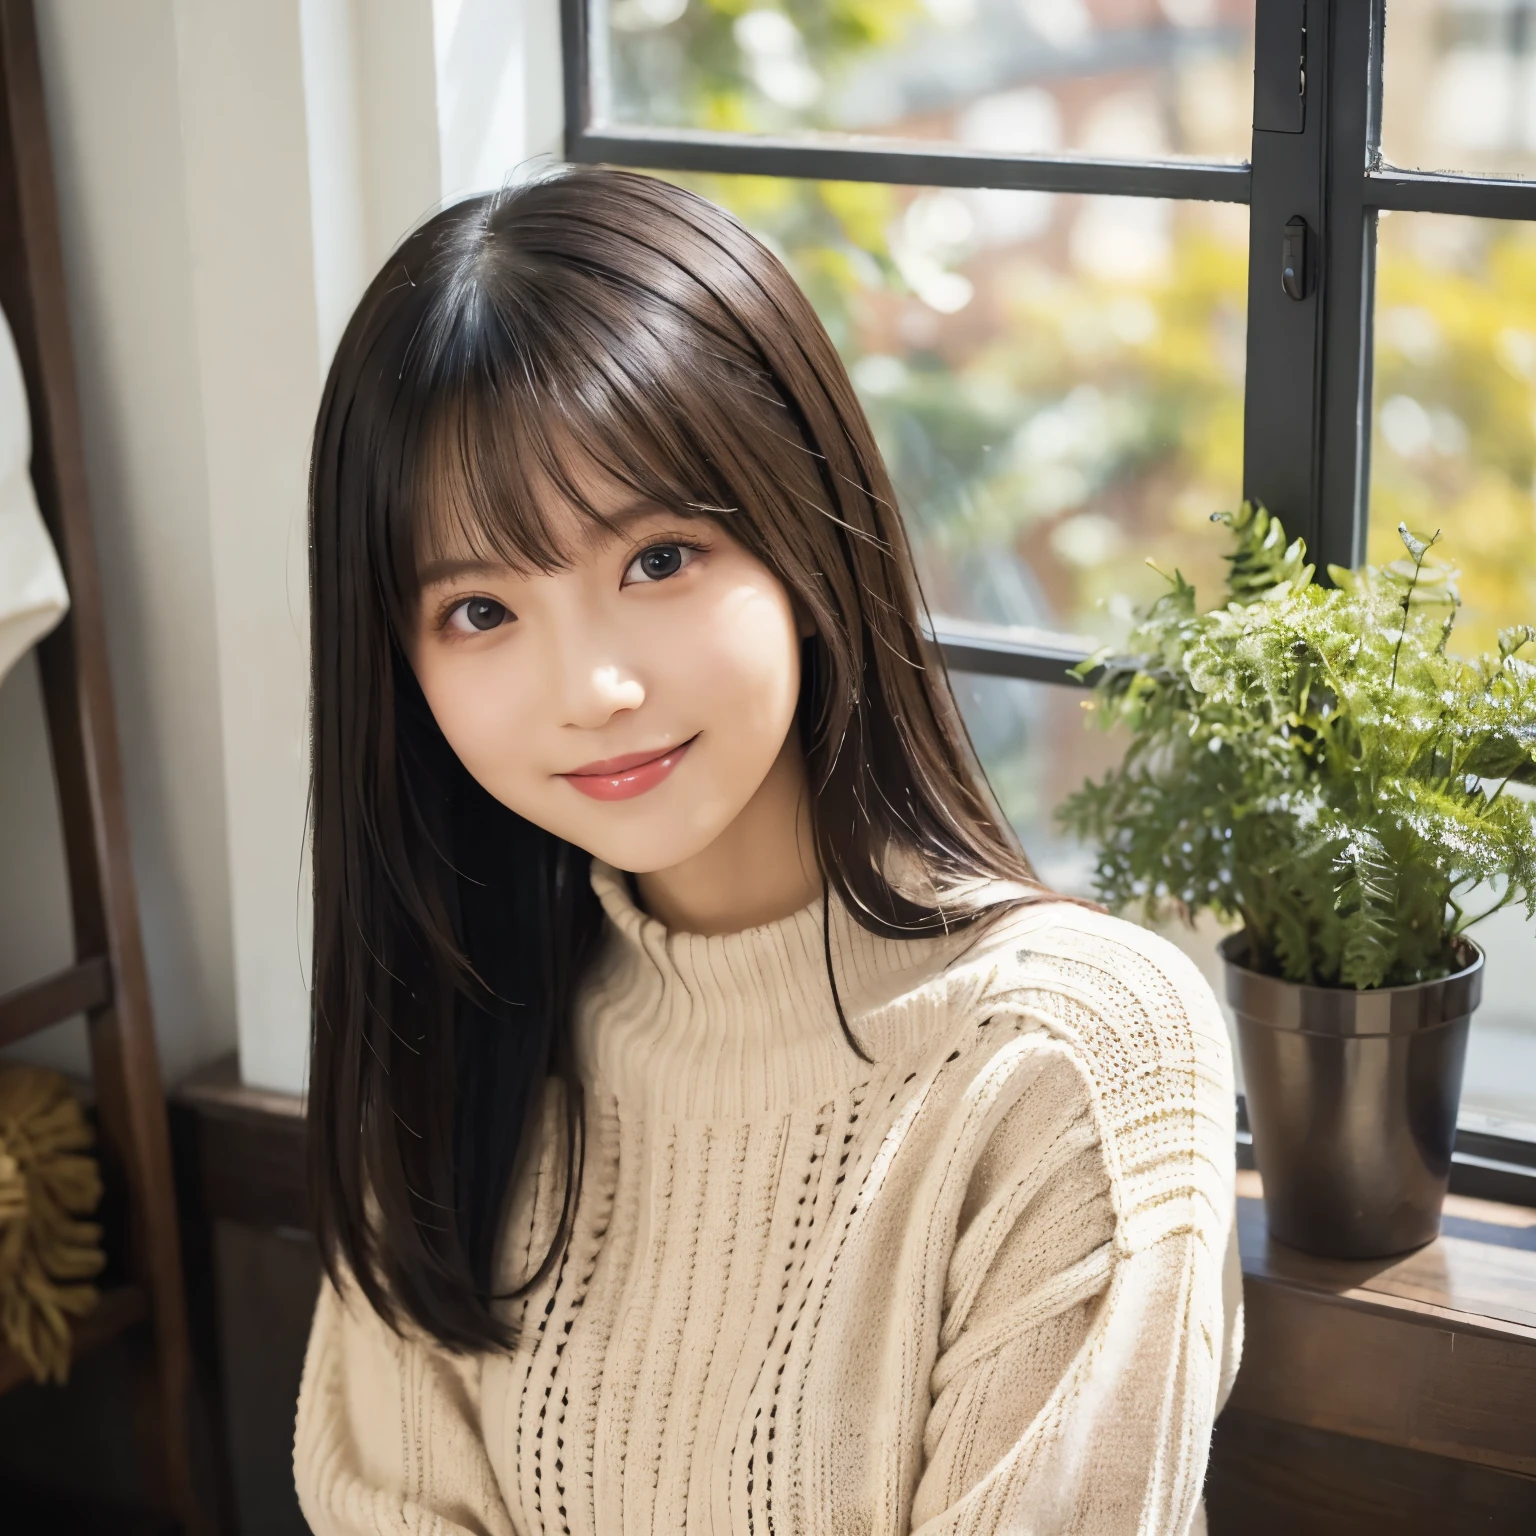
(976, 1287)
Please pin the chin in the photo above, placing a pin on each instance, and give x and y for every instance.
(647, 850)
(641, 836)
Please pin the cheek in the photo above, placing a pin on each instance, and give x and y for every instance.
(744, 663)
(478, 705)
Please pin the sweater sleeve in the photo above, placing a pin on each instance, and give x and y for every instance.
(1088, 1335)
(388, 1437)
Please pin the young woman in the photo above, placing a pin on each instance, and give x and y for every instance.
(713, 1125)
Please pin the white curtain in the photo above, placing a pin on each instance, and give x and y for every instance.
(33, 597)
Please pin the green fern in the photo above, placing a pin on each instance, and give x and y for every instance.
(1262, 560)
(1314, 762)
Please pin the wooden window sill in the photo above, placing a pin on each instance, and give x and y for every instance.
(1432, 1351)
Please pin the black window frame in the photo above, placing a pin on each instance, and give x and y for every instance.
(1307, 393)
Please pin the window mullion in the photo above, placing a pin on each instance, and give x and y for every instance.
(898, 163)
(576, 71)
(1348, 280)
(1282, 405)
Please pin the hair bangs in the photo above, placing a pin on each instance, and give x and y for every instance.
(540, 439)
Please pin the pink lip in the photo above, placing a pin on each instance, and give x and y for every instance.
(622, 778)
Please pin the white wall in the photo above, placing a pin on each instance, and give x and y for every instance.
(500, 99)
(229, 176)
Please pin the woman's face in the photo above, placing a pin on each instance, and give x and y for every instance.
(632, 703)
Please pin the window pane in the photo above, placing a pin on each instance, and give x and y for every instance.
(1036, 746)
(1460, 86)
(1454, 400)
(1498, 1093)
(1136, 79)
(1056, 382)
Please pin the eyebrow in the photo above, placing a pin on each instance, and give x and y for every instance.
(437, 573)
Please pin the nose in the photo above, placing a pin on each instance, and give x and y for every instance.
(596, 691)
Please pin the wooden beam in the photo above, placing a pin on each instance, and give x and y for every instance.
(82, 988)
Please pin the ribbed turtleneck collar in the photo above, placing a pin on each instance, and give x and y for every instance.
(741, 1024)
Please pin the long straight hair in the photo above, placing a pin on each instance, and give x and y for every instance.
(511, 344)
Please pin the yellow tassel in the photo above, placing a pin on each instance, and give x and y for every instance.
(48, 1181)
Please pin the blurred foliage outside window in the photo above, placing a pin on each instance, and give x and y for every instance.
(1460, 86)
(1056, 382)
(1137, 79)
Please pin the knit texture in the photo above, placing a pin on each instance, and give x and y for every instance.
(975, 1287)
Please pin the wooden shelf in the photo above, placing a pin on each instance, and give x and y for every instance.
(1433, 1351)
(119, 1308)
(248, 1144)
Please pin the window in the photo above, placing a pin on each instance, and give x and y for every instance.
(1048, 237)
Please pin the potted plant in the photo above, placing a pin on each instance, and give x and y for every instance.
(1315, 763)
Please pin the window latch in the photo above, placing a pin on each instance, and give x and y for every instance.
(1295, 255)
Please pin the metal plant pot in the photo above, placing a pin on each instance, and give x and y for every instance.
(1352, 1101)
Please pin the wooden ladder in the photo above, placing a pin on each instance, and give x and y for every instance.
(107, 983)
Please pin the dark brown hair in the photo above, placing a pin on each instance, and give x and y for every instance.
(593, 318)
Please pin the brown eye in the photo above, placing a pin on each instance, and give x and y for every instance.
(477, 615)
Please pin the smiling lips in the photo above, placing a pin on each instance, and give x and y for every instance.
(622, 778)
